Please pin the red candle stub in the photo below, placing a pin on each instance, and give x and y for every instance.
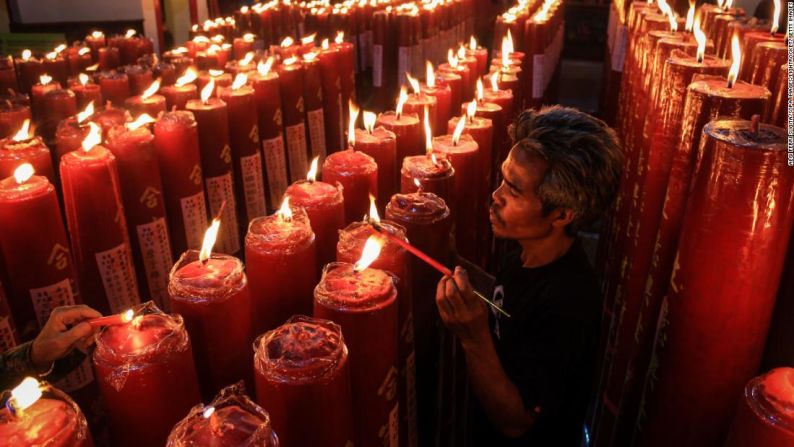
(232, 419)
(765, 415)
(303, 376)
(357, 172)
(146, 376)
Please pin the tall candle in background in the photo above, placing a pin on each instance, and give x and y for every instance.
(12, 115)
(86, 91)
(115, 87)
(24, 147)
(29, 69)
(97, 226)
(418, 101)
(405, 126)
(332, 97)
(380, 144)
(314, 101)
(443, 95)
(182, 91)
(291, 76)
(148, 102)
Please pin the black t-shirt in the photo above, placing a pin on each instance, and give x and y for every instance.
(548, 347)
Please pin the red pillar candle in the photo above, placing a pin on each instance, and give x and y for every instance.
(217, 166)
(211, 293)
(24, 147)
(95, 41)
(141, 77)
(12, 117)
(267, 94)
(443, 95)
(38, 264)
(454, 66)
(37, 92)
(364, 303)
(455, 83)
(244, 139)
(313, 103)
(380, 144)
(115, 87)
(146, 376)
(86, 91)
(763, 416)
(148, 102)
(748, 44)
(278, 247)
(177, 95)
(44, 416)
(231, 419)
(347, 72)
(500, 97)
(766, 60)
(418, 101)
(303, 377)
(79, 59)
(29, 69)
(499, 119)
(717, 315)
(219, 77)
(480, 54)
(242, 45)
(332, 97)
(291, 75)
(406, 127)
(57, 105)
(97, 226)
(56, 66)
(178, 153)
(142, 196)
(324, 203)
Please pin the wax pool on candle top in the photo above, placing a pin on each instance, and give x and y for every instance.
(764, 417)
(324, 204)
(435, 174)
(357, 172)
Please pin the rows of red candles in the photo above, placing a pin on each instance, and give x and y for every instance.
(678, 75)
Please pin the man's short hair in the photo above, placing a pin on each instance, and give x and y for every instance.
(584, 160)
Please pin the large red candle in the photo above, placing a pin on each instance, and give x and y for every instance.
(717, 315)
(455, 83)
(86, 91)
(764, 416)
(29, 69)
(56, 66)
(332, 97)
(53, 420)
(313, 103)
(218, 77)
(141, 77)
(408, 130)
(357, 172)
(291, 76)
(347, 71)
(380, 144)
(115, 87)
(146, 376)
(303, 377)
(364, 303)
(210, 291)
(232, 419)
(432, 173)
(181, 92)
(178, 153)
(144, 209)
(148, 101)
(217, 166)
(109, 58)
(35, 250)
(12, 115)
(244, 139)
(462, 70)
(37, 92)
(24, 147)
(418, 102)
(95, 41)
(443, 95)
(97, 226)
(280, 253)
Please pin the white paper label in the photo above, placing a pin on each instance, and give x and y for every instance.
(537, 75)
(118, 277)
(47, 298)
(253, 185)
(296, 151)
(316, 121)
(194, 216)
(155, 249)
(403, 64)
(6, 334)
(377, 65)
(220, 189)
(276, 166)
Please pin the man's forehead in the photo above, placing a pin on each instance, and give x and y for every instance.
(522, 169)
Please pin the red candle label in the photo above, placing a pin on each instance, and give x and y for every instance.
(118, 277)
(220, 189)
(296, 148)
(156, 252)
(253, 185)
(316, 132)
(276, 166)
(194, 214)
(47, 298)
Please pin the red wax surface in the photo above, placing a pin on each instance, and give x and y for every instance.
(214, 300)
(12, 116)
(443, 96)
(381, 145)
(270, 121)
(34, 256)
(68, 137)
(28, 73)
(223, 80)
(408, 130)
(178, 97)
(48, 422)
(140, 78)
(324, 204)
(115, 87)
(33, 151)
(315, 109)
(108, 58)
(58, 68)
(146, 376)
(144, 209)
(98, 229)
(365, 305)
(332, 99)
(778, 110)
(502, 98)
(279, 257)
(8, 75)
(765, 414)
(438, 177)
(465, 158)
(357, 172)
(86, 94)
(56, 105)
(178, 153)
(303, 379)
(152, 105)
(37, 98)
(347, 72)
(455, 83)
(465, 79)
(417, 103)
(293, 111)
(749, 42)
(236, 426)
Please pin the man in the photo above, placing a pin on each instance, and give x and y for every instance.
(532, 374)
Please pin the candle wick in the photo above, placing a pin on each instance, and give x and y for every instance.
(754, 124)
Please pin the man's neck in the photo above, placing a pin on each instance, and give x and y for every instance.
(539, 252)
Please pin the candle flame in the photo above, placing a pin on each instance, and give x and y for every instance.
(351, 125)
(310, 56)
(239, 80)
(26, 54)
(401, 101)
(287, 42)
(418, 183)
(308, 39)
(471, 109)
(24, 132)
(51, 55)
(414, 84)
(369, 121)
(45, 79)
(480, 90)
(700, 37)
(59, 48)
(458, 130)
(214, 72)
(93, 138)
(127, 315)
(263, 68)
(736, 54)
(461, 52)
(430, 77)
(209, 240)
(728, 4)
(83, 51)
(213, 49)
(325, 45)
(201, 39)
(690, 17)
(249, 37)
(189, 76)
(775, 17)
(218, 38)
(142, 120)
(373, 211)
(312, 174)
(721, 4)
(130, 33)
(472, 43)
(340, 37)
(290, 60)
(428, 133)
(452, 60)
(97, 34)
(495, 81)
(85, 113)
(206, 92)
(23, 173)
(369, 254)
(285, 212)
(26, 393)
(208, 412)
(507, 45)
(152, 89)
(249, 56)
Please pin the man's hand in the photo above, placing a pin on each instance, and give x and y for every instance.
(65, 330)
(460, 309)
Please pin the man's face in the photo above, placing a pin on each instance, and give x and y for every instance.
(516, 211)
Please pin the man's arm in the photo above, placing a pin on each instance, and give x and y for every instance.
(467, 316)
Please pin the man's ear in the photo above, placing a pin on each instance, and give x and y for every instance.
(564, 217)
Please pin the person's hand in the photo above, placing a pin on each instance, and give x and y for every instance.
(460, 309)
(65, 330)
